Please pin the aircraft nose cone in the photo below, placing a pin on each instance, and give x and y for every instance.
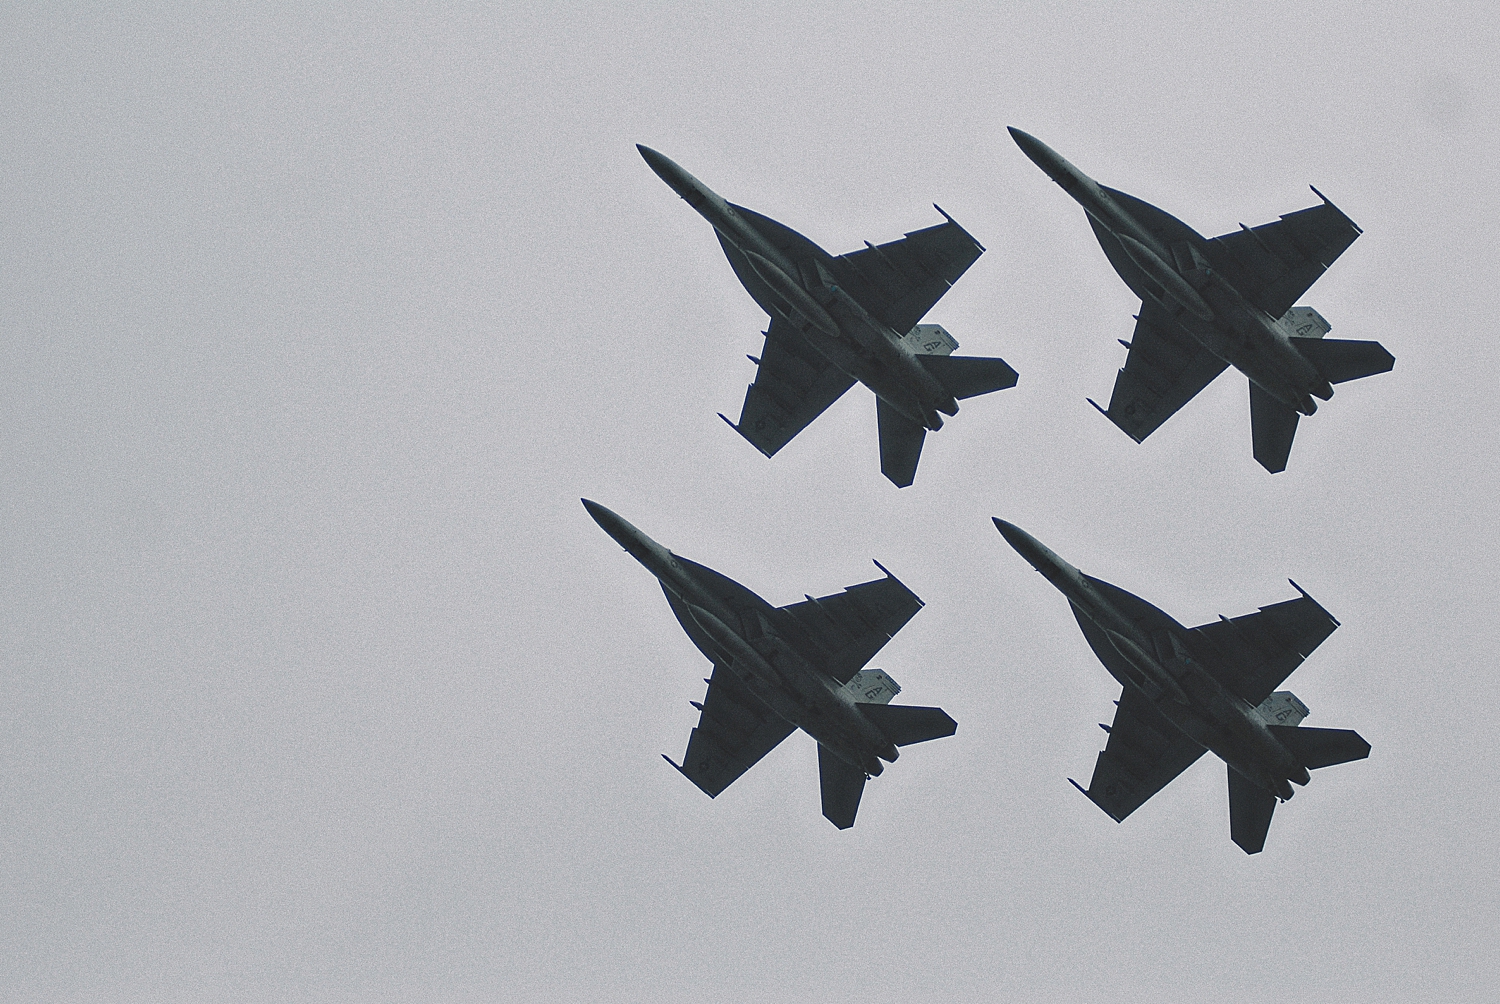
(654, 159)
(596, 510)
(667, 170)
(1036, 553)
(1017, 538)
(608, 521)
(1040, 153)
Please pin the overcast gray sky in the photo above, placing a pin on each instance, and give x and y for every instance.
(319, 684)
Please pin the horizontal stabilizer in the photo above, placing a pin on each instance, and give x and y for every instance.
(1340, 359)
(1316, 748)
(1272, 426)
(900, 444)
(1250, 809)
(970, 376)
(842, 785)
(904, 724)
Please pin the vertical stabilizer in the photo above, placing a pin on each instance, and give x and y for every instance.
(842, 786)
(872, 686)
(1304, 322)
(930, 340)
(1282, 708)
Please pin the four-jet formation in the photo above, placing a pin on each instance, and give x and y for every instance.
(1191, 689)
(838, 319)
(778, 669)
(1207, 304)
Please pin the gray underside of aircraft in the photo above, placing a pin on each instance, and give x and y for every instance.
(777, 669)
(1189, 690)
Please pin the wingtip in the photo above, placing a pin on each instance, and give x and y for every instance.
(960, 226)
(746, 438)
(898, 582)
(1101, 411)
(1070, 781)
(1308, 596)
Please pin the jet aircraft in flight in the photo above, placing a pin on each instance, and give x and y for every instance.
(1208, 304)
(1186, 690)
(777, 669)
(838, 319)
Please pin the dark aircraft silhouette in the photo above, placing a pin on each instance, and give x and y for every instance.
(1208, 304)
(1187, 690)
(836, 319)
(778, 669)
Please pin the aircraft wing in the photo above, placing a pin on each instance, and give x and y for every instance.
(900, 281)
(794, 385)
(850, 627)
(1253, 654)
(1274, 264)
(735, 730)
(1144, 753)
(1166, 368)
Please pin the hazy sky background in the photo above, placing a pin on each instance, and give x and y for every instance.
(319, 684)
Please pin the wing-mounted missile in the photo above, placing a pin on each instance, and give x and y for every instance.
(750, 665)
(1167, 277)
(793, 293)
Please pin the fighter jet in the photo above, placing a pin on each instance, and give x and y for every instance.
(778, 669)
(1207, 304)
(838, 319)
(1190, 689)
